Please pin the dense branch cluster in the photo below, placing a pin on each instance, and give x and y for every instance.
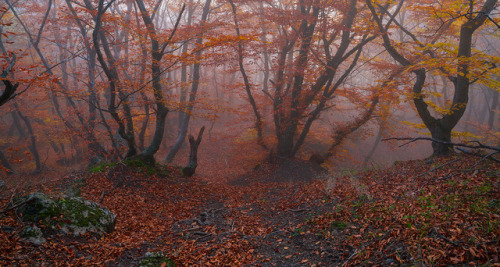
(130, 78)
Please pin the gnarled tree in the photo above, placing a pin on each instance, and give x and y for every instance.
(461, 77)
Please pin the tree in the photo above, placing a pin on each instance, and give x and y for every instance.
(316, 55)
(461, 77)
(186, 114)
(126, 130)
(258, 117)
(157, 52)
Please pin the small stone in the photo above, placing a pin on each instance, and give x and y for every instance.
(33, 235)
(7, 229)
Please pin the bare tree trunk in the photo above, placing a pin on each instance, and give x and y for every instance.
(144, 127)
(263, 37)
(193, 154)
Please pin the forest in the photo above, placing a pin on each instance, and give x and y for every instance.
(249, 132)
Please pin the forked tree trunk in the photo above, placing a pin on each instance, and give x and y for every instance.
(193, 154)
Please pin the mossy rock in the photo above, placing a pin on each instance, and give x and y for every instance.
(37, 207)
(33, 234)
(156, 259)
(67, 215)
(85, 216)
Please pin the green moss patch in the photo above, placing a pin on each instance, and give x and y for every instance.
(154, 259)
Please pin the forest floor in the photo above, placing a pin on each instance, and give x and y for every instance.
(443, 211)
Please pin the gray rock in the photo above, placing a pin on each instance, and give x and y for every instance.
(33, 235)
(71, 215)
(86, 216)
(37, 207)
(2, 183)
(7, 229)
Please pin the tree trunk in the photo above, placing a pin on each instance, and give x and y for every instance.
(493, 108)
(375, 144)
(193, 154)
(184, 87)
(157, 52)
(33, 146)
(439, 132)
(113, 78)
(258, 118)
(7, 168)
(441, 128)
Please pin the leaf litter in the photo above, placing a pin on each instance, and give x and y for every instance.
(439, 212)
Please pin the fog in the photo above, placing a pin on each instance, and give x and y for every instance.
(253, 73)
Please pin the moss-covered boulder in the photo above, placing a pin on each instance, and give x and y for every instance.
(71, 215)
(85, 216)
